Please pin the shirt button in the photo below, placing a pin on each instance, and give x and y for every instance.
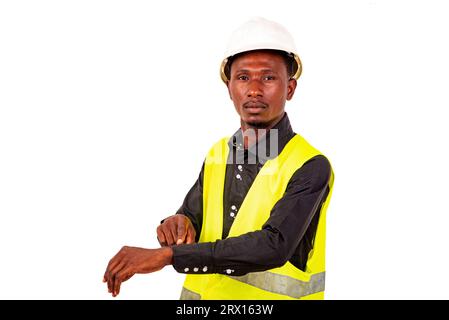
(195, 269)
(240, 167)
(233, 207)
(232, 214)
(238, 177)
(204, 269)
(186, 270)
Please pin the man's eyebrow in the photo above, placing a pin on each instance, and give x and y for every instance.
(242, 70)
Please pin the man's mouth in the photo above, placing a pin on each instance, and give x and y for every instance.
(254, 106)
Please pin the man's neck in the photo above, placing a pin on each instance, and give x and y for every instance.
(256, 132)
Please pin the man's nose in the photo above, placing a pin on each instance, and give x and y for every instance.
(254, 89)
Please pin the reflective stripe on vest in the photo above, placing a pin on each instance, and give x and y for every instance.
(284, 285)
(186, 294)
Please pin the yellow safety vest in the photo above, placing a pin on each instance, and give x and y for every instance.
(285, 282)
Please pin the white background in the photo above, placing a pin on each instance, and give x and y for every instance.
(107, 109)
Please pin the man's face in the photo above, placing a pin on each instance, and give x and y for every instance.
(259, 86)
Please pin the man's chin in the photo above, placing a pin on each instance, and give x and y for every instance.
(257, 124)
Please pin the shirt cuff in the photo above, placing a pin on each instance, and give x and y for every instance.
(193, 258)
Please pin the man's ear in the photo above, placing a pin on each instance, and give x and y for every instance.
(291, 87)
(229, 90)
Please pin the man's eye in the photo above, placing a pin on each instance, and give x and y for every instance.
(242, 78)
(269, 78)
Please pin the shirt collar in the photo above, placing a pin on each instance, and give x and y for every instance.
(285, 133)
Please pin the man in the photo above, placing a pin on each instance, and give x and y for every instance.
(253, 225)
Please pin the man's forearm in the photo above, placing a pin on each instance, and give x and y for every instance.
(252, 252)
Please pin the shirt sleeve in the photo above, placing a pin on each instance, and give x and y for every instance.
(272, 246)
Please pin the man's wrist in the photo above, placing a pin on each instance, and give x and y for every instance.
(167, 255)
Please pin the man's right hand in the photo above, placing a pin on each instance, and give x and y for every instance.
(176, 229)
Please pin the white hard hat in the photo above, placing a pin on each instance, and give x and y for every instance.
(259, 34)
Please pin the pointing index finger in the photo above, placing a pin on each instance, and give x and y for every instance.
(181, 231)
(190, 236)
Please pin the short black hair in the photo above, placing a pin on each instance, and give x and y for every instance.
(289, 60)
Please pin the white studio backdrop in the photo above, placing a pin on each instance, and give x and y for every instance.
(107, 109)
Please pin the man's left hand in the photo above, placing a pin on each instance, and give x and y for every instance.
(131, 260)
